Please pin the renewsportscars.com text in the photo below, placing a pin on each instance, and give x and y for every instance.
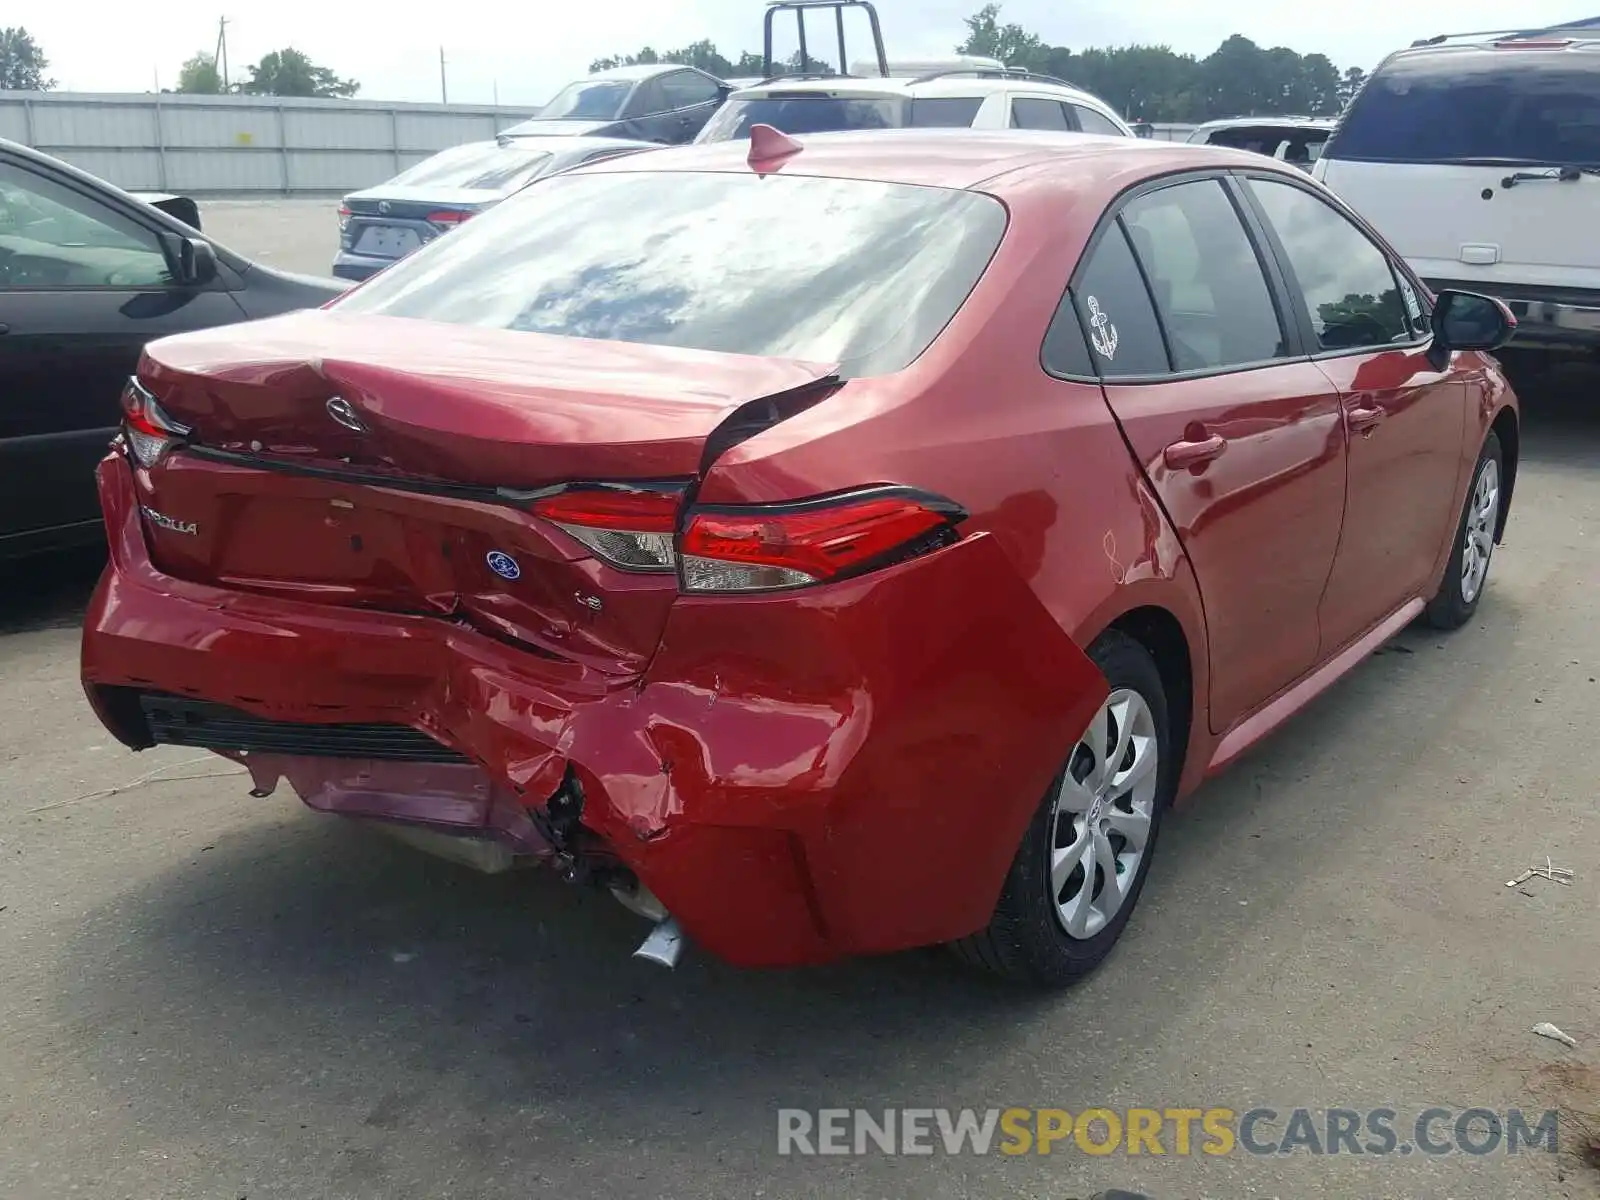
(1165, 1131)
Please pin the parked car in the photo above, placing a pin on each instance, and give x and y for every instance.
(1477, 157)
(1297, 140)
(88, 274)
(875, 585)
(959, 96)
(662, 103)
(381, 224)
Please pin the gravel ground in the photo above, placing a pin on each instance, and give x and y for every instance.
(210, 996)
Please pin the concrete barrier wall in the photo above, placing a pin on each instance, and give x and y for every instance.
(241, 145)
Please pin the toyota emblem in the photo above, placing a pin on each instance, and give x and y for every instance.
(383, 206)
(342, 411)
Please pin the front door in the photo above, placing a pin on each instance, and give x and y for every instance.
(83, 286)
(1240, 435)
(1405, 420)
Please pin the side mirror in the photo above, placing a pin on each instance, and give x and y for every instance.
(1468, 321)
(197, 262)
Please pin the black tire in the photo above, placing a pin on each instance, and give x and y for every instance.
(1024, 941)
(1450, 608)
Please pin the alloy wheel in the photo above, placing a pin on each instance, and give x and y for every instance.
(1478, 537)
(1103, 814)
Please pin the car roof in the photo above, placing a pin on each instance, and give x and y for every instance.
(1270, 122)
(637, 71)
(950, 158)
(954, 84)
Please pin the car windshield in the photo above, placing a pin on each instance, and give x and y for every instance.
(485, 166)
(842, 271)
(803, 113)
(1538, 107)
(587, 100)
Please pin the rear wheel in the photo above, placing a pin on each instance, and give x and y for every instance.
(1083, 861)
(1468, 573)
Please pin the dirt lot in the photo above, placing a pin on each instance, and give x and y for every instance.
(206, 995)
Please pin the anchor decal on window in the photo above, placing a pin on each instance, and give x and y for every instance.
(1101, 331)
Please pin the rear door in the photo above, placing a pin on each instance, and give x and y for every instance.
(691, 98)
(1405, 419)
(646, 117)
(1239, 435)
(1455, 155)
(83, 286)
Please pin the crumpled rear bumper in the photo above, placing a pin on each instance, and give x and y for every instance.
(797, 777)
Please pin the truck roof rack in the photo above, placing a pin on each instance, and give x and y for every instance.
(998, 73)
(1590, 28)
(800, 8)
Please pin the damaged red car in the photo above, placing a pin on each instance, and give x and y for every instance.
(828, 547)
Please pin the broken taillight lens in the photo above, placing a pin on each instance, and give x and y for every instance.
(631, 529)
(754, 547)
(150, 433)
(765, 547)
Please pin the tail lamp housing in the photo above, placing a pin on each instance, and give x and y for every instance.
(447, 219)
(150, 434)
(736, 549)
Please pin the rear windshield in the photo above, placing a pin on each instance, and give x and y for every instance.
(1529, 106)
(831, 270)
(803, 113)
(484, 166)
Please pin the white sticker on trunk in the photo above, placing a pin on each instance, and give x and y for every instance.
(1102, 333)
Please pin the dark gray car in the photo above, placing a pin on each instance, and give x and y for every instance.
(384, 223)
(662, 102)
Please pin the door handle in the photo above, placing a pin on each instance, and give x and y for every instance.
(1192, 454)
(1363, 419)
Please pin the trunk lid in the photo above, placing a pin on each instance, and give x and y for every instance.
(423, 509)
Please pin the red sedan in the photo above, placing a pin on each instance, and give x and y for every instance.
(829, 548)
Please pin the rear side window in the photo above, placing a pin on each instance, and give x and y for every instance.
(1092, 122)
(1208, 282)
(1519, 106)
(685, 89)
(859, 273)
(1117, 317)
(802, 112)
(945, 112)
(1349, 285)
(1029, 113)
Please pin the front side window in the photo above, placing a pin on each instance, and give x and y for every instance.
(53, 236)
(843, 271)
(1535, 107)
(1092, 122)
(1208, 282)
(803, 112)
(1031, 113)
(1349, 285)
(945, 112)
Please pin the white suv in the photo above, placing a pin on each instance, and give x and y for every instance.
(960, 97)
(1478, 157)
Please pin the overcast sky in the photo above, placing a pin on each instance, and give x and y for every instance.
(525, 49)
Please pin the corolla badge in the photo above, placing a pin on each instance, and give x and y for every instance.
(503, 565)
(342, 411)
(161, 520)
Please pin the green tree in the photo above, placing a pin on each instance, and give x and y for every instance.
(1353, 81)
(705, 55)
(1011, 43)
(22, 63)
(199, 76)
(289, 72)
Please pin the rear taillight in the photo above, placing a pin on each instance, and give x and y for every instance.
(344, 217)
(753, 548)
(629, 528)
(447, 219)
(758, 547)
(150, 433)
